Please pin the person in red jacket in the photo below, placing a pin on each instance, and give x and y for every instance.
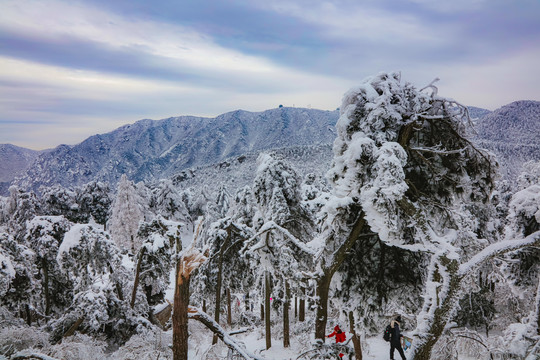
(340, 336)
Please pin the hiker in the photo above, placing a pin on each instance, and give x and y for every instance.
(340, 337)
(396, 338)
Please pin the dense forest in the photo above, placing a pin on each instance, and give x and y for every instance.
(411, 219)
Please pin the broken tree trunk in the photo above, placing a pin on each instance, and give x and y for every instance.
(186, 264)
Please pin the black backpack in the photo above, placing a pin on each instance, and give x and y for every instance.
(387, 333)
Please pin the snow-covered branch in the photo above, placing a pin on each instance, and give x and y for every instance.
(199, 315)
(271, 225)
(498, 249)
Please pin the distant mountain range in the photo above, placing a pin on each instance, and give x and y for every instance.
(512, 132)
(148, 149)
(187, 148)
(14, 161)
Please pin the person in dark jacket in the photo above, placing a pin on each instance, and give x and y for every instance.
(396, 339)
(340, 336)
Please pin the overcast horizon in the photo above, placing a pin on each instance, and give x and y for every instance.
(73, 69)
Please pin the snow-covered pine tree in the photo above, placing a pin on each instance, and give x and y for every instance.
(243, 207)
(283, 229)
(156, 258)
(57, 200)
(404, 169)
(21, 206)
(125, 216)
(94, 265)
(23, 290)
(94, 202)
(166, 201)
(44, 235)
(226, 267)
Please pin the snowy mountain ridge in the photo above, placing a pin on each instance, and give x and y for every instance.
(14, 160)
(148, 150)
(153, 149)
(512, 132)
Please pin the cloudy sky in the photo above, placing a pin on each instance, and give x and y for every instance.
(72, 69)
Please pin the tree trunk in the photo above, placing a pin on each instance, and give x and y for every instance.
(180, 319)
(296, 307)
(443, 311)
(302, 311)
(262, 312)
(267, 311)
(204, 306)
(218, 296)
(46, 286)
(229, 307)
(28, 314)
(355, 338)
(219, 281)
(74, 327)
(137, 274)
(185, 265)
(323, 284)
(286, 306)
(538, 308)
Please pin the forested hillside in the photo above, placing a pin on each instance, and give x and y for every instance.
(263, 254)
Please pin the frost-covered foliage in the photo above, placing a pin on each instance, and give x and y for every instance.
(44, 235)
(79, 347)
(21, 206)
(284, 224)
(18, 275)
(7, 272)
(156, 257)
(125, 216)
(277, 190)
(18, 338)
(94, 265)
(166, 201)
(243, 208)
(227, 267)
(404, 155)
(94, 202)
(146, 346)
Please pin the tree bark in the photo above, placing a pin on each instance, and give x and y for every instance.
(46, 286)
(267, 311)
(323, 284)
(229, 307)
(538, 308)
(302, 310)
(185, 265)
(180, 319)
(74, 327)
(28, 314)
(355, 337)
(296, 307)
(262, 312)
(137, 275)
(286, 306)
(220, 281)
